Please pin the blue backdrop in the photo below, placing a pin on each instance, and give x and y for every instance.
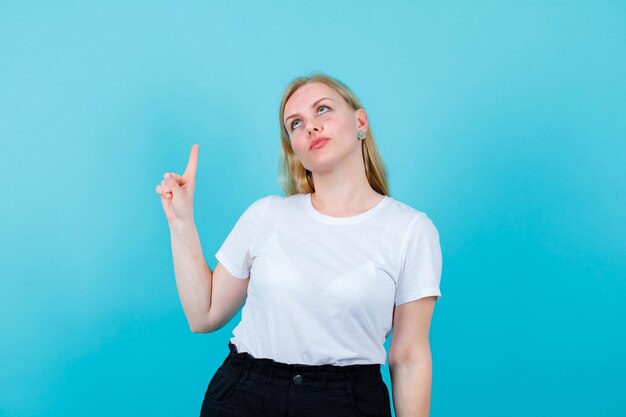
(503, 121)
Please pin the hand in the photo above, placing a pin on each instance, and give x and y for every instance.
(177, 191)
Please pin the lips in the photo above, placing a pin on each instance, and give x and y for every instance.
(318, 143)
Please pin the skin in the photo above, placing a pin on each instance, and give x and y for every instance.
(211, 298)
(410, 359)
(341, 187)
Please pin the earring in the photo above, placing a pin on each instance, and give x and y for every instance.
(361, 135)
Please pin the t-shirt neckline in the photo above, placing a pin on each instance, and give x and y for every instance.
(343, 220)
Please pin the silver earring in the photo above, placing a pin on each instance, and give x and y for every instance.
(361, 135)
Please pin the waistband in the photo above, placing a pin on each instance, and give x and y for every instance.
(327, 376)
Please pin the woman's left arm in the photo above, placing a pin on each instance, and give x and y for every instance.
(410, 361)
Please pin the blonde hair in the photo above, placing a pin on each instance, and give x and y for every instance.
(294, 178)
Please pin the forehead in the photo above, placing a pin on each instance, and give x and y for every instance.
(307, 95)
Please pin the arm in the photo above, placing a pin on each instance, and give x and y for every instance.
(410, 360)
(193, 275)
(209, 299)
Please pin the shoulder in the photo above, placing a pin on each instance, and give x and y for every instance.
(408, 216)
(257, 208)
(273, 202)
(277, 201)
(414, 225)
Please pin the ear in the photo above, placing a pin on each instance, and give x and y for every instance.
(361, 119)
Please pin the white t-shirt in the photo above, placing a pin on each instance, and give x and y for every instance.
(322, 289)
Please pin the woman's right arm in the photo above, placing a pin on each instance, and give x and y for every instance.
(209, 298)
(193, 275)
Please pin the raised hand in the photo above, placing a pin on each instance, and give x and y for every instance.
(177, 191)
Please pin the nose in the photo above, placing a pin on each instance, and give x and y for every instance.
(313, 125)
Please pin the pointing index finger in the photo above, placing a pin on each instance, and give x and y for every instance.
(190, 171)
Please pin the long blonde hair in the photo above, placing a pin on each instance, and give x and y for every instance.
(294, 178)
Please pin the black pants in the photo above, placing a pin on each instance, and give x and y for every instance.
(247, 386)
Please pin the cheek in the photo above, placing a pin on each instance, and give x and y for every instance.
(298, 143)
(347, 125)
(341, 124)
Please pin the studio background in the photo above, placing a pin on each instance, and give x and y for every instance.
(503, 121)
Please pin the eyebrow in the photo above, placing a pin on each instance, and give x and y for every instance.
(313, 105)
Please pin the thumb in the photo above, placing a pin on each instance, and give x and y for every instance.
(172, 183)
(177, 178)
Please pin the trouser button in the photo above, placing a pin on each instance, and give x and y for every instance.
(297, 379)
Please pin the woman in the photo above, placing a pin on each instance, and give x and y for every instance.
(334, 265)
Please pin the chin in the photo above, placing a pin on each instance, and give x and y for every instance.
(322, 168)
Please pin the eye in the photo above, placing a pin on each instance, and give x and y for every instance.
(293, 124)
(323, 107)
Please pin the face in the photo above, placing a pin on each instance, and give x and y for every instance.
(316, 111)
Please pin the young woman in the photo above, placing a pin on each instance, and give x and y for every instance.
(325, 272)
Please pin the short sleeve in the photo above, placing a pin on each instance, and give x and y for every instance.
(235, 252)
(420, 273)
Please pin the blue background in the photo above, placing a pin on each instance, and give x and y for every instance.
(503, 121)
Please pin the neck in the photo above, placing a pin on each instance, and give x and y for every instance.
(344, 191)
